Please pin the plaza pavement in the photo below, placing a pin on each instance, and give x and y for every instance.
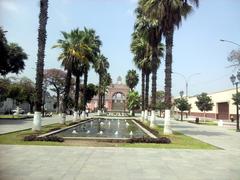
(109, 163)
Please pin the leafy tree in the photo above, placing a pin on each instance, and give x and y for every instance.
(204, 103)
(133, 101)
(183, 105)
(4, 87)
(132, 79)
(55, 78)
(160, 101)
(27, 91)
(12, 56)
(15, 92)
(42, 35)
(234, 58)
(236, 99)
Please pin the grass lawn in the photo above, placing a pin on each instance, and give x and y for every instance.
(179, 141)
(207, 122)
(17, 137)
(11, 117)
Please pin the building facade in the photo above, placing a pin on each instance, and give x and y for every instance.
(223, 108)
(115, 99)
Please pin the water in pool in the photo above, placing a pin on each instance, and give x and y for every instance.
(105, 128)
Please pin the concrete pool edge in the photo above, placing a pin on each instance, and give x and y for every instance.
(135, 121)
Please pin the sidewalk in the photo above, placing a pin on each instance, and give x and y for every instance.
(221, 137)
(7, 126)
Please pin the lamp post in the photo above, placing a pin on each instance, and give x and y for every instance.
(223, 40)
(233, 80)
(181, 93)
(187, 79)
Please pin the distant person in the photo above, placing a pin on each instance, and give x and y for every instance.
(87, 112)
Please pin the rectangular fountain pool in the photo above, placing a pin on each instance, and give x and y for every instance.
(105, 129)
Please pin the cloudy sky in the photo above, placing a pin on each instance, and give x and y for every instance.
(197, 48)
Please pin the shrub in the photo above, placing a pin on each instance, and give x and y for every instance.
(54, 138)
(46, 138)
(30, 138)
(161, 140)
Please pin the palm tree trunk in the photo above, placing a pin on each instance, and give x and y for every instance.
(104, 98)
(99, 96)
(168, 68)
(147, 90)
(58, 101)
(143, 95)
(154, 61)
(77, 92)
(168, 80)
(143, 90)
(85, 89)
(77, 89)
(42, 34)
(66, 94)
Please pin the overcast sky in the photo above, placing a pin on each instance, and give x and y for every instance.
(197, 48)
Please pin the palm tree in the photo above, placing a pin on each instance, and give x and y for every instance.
(140, 49)
(142, 59)
(106, 81)
(151, 31)
(42, 34)
(132, 79)
(73, 53)
(77, 72)
(93, 42)
(101, 65)
(168, 14)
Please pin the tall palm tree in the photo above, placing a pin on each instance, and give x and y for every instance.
(42, 34)
(168, 14)
(93, 41)
(142, 59)
(151, 31)
(132, 79)
(101, 65)
(106, 81)
(77, 72)
(138, 48)
(73, 53)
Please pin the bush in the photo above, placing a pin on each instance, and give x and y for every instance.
(46, 138)
(30, 138)
(161, 140)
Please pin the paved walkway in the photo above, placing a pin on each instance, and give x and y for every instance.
(7, 126)
(225, 138)
(44, 162)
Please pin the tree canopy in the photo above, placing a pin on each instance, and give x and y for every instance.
(204, 102)
(12, 56)
(132, 79)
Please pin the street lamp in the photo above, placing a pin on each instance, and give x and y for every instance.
(187, 79)
(181, 93)
(223, 40)
(233, 80)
